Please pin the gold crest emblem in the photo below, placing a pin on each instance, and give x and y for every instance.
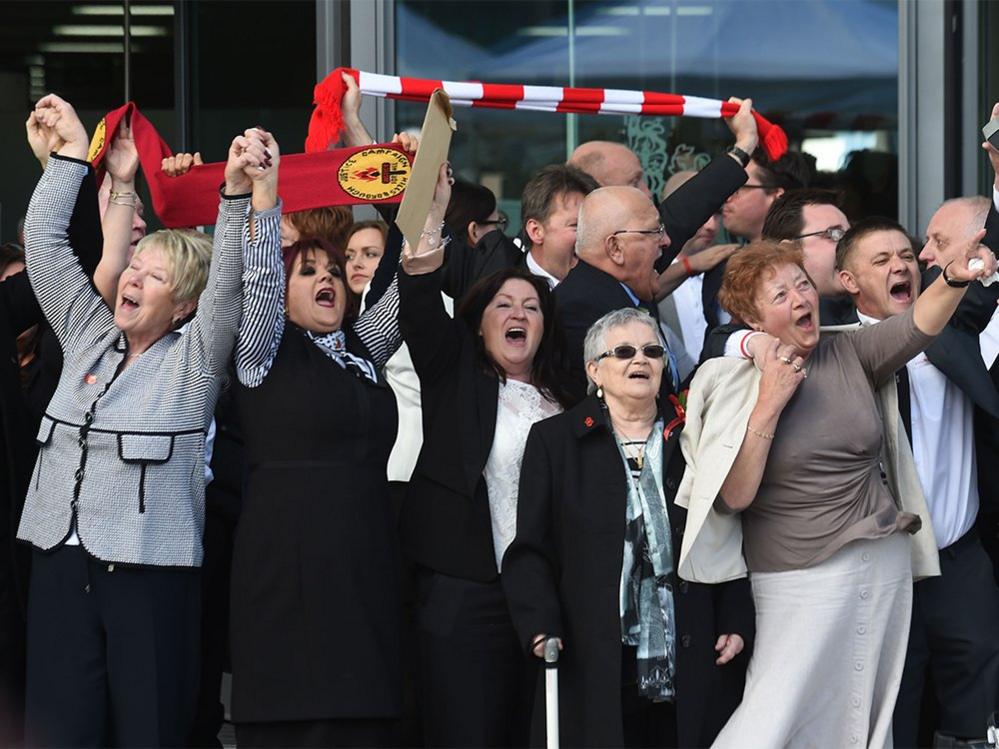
(97, 142)
(374, 174)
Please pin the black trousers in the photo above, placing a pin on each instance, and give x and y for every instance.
(112, 653)
(295, 734)
(645, 723)
(954, 638)
(475, 689)
(220, 527)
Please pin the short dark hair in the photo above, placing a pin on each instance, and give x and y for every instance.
(538, 199)
(469, 202)
(792, 171)
(785, 219)
(862, 229)
(307, 248)
(548, 371)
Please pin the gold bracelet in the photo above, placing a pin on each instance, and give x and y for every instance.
(122, 194)
(119, 200)
(758, 433)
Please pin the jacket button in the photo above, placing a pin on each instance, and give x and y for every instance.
(88, 416)
(685, 641)
(684, 585)
(671, 484)
(78, 474)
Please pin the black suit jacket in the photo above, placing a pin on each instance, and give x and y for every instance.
(445, 517)
(697, 200)
(682, 213)
(562, 576)
(20, 417)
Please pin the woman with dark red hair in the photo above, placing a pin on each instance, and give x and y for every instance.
(315, 598)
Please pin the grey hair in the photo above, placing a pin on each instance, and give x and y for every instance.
(978, 210)
(596, 337)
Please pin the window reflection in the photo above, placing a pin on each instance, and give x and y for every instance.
(826, 70)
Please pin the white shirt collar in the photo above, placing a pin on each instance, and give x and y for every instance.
(867, 319)
(537, 270)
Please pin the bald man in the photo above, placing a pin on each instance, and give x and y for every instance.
(619, 237)
(684, 211)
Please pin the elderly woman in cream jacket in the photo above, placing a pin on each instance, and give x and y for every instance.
(793, 475)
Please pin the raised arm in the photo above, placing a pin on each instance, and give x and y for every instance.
(63, 289)
(250, 225)
(938, 302)
(122, 163)
(379, 328)
(697, 200)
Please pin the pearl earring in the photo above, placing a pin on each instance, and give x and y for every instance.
(600, 392)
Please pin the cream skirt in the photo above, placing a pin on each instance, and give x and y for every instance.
(830, 645)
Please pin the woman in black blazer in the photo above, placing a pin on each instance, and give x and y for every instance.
(485, 377)
(594, 562)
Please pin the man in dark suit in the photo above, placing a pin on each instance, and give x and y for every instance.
(745, 212)
(953, 635)
(813, 219)
(549, 207)
(627, 238)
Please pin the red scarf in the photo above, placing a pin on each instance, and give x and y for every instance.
(346, 176)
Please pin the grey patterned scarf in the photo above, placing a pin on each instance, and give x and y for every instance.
(647, 615)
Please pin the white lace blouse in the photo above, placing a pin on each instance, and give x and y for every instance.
(518, 407)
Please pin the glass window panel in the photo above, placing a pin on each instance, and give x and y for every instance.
(826, 70)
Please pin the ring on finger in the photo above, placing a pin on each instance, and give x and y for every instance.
(797, 367)
(785, 359)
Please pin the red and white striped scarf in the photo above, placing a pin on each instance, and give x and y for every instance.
(327, 121)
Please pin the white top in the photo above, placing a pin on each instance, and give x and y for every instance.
(537, 270)
(405, 383)
(988, 341)
(690, 311)
(943, 445)
(518, 407)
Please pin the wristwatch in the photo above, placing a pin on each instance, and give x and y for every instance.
(951, 282)
(741, 155)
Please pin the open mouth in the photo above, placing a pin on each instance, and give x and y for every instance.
(901, 291)
(326, 297)
(128, 303)
(805, 322)
(639, 374)
(516, 335)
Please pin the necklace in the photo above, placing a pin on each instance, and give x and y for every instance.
(634, 450)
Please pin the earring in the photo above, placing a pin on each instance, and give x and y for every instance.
(600, 392)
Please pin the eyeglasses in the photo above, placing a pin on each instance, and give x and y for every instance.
(651, 351)
(833, 234)
(661, 231)
(501, 222)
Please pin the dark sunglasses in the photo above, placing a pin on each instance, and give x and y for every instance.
(501, 222)
(652, 351)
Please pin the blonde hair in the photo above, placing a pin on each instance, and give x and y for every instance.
(188, 254)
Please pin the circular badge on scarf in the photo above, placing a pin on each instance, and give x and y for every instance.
(376, 173)
(97, 142)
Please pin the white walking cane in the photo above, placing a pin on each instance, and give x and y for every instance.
(551, 692)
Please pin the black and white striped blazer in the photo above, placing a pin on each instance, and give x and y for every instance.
(125, 453)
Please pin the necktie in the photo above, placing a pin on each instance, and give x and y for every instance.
(904, 401)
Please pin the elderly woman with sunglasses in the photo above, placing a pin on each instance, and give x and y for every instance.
(648, 659)
(797, 474)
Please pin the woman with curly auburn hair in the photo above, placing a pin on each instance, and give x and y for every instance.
(793, 476)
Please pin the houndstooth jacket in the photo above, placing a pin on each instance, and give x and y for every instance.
(124, 453)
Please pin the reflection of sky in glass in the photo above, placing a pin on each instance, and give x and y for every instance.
(827, 70)
(796, 57)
